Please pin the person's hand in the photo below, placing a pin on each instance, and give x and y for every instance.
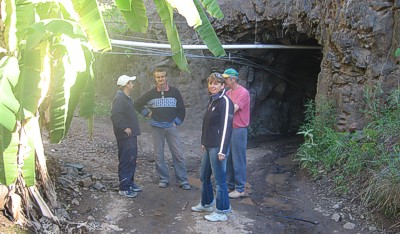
(128, 131)
(203, 148)
(221, 157)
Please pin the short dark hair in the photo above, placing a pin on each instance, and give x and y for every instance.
(160, 69)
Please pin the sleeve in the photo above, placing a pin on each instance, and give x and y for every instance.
(140, 104)
(226, 120)
(181, 110)
(117, 113)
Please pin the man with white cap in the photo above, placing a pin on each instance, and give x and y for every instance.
(126, 129)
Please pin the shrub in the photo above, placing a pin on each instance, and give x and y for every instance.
(373, 151)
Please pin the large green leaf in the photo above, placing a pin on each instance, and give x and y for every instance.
(87, 98)
(20, 15)
(27, 150)
(49, 10)
(93, 24)
(83, 89)
(28, 90)
(9, 142)
(124, 5)
(9, 105)
(188, 10)
(212, 8)
(134, 12)
(49, 28)
(30, 83)
(166, 14)
(65, 73)
(207, 33)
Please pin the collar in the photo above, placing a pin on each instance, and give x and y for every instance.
(214, 97)
(166, 88)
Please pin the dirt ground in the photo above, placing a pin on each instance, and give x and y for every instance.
(280, 197)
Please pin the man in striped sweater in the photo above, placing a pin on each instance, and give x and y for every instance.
(165, 110)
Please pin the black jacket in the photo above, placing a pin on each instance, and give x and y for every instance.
(217, 123)
(123, 116)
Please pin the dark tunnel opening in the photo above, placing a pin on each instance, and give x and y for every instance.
(280, 82)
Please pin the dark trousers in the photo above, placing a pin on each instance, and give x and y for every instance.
(127, 155)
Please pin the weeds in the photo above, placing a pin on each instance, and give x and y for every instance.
(371, 155)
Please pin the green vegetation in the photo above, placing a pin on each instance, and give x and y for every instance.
(368, 159)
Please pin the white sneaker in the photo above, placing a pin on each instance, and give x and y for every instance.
(236, 194)
(205, 208)
(216, 217)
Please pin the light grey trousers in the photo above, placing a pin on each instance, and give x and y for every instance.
(171, 136)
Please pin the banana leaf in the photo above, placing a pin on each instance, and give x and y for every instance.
(212, 8)
(188, 10)
(27, 150)
(9, 142)
(166, 14)
(92, 22)
(9, 105)
(64, 83)
(207, 33)
(134, 12)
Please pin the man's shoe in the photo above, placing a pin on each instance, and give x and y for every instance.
(128, 193)
(162, 184)
(185, 186)
(135, 188)
(236, 194)
(205, 208)
(216, 217)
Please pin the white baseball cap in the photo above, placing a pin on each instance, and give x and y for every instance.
(124, 79)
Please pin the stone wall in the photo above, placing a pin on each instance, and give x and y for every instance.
(357, 39)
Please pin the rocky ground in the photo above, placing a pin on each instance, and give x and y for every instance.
(279, 197)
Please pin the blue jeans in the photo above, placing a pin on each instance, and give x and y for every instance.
(171, 135)
(236, 164)
(211, 165)
(127, 155)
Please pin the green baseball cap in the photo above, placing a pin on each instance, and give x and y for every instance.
(230, 72)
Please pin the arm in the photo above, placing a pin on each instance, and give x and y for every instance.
(117, 113)
(140, 105)
(180, 109)
(226, 122)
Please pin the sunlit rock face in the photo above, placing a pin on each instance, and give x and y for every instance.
(354, 48)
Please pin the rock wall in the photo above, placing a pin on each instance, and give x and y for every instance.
(357, 40)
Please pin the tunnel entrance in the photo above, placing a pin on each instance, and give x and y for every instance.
(280, 82)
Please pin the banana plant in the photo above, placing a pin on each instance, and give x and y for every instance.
(46, 58)
(45, 67)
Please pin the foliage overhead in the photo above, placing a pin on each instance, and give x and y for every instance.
(135, 14)
(45, 66)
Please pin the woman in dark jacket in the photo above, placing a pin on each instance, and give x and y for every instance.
(215, 137)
